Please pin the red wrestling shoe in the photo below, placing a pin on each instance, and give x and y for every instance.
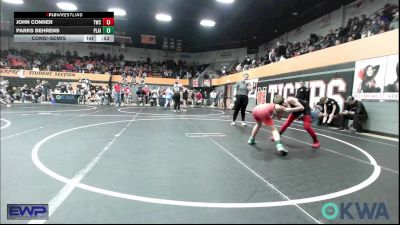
(316, 144)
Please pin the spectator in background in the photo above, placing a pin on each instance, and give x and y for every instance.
(375, 25)
(362, 21)
(168, 98)
(108, 94)
(223, 71)
(367, 28)
(46, 88)
(185, 96)
(63, 88)
(272, 56)
(247, 61)
(265, 59)
(26, 93)
(146, 91)
(388, 12)
(328, 40)
(154, 97)
(198, 98)
(317, 113)
(253, 64)
(281, 53)
(331, 109)
(4, 84)
(355, 29)
(213, 97)
(384, 26)
(205, 98)
(221, 97)
(395, 22)
(353, 110)
(117, 94)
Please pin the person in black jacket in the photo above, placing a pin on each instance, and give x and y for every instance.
(303, 92)
(281, 52)
(331, 109)
(353, 110)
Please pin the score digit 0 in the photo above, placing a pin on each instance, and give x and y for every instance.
(108, 30)
(108, 21)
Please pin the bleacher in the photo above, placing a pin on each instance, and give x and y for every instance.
(214, 70)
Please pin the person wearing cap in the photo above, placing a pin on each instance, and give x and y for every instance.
(331, 109)
(353, 110)
(297, 107)
(242, 89)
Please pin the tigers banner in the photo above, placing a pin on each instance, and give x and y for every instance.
(334, 83)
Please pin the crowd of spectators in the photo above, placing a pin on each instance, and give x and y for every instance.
(356, 28)
(383, 20)
(96, 64)
(129, 93)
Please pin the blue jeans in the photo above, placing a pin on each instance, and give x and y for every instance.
(314, 116)
(117, 97)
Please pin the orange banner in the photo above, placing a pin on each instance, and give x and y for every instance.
(52, 75)
(76, 76)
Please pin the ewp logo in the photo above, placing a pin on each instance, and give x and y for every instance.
(375, 211)
(28, 212)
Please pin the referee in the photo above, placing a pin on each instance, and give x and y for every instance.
(242, 89)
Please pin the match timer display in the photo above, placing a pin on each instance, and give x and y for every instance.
(64, 27)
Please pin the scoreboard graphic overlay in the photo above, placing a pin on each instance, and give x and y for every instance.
(64, 27)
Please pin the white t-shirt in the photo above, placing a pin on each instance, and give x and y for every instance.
(213, 95)
(176, 88)
(89, 66)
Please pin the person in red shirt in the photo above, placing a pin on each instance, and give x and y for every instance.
(146, 93)
(199, 98)
(265, 113)
(117, 94)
